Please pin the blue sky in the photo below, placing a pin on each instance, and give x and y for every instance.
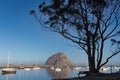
(27, 41)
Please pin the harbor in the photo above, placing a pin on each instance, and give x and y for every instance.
(46, 72)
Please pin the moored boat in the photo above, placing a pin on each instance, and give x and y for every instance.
(8, 70)
(58, 69)
(36, 68)
(26, 68)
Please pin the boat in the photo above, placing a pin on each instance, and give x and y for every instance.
(8, 69)
(57, 69)
(77, 67)
(52, 68)
(36, 68)
(117, 68)
(27, 69)
(105, 68)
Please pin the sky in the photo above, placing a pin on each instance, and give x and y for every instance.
(27, 41)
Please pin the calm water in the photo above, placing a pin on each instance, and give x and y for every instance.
(41, 74)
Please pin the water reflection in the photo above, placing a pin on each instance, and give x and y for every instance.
(44, 74)
(8, 73)
(7, 76)
(58, 74)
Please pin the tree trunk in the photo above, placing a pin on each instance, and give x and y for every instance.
(92, 68)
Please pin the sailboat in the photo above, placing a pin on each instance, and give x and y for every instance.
(36, 68)
(8, 69)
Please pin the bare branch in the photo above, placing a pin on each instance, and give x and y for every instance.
(107, 60)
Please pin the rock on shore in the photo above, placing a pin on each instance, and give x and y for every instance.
(59, 59)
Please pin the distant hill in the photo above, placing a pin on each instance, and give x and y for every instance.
(59, 59)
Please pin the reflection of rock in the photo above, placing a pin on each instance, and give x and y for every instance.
(60, 74)
(58, 64)
(59, 59)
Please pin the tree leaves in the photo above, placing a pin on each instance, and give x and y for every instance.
(41, 5)
(32, 12)
(113, 41)
(84, 22)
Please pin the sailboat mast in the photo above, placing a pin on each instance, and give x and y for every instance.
(8, 58)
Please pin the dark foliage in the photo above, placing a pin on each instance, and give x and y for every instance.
(88, 23)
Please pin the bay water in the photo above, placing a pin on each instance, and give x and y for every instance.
(42, 74)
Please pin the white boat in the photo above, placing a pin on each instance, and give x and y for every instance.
(117, 68)
(77, 67)
(36, 68)
(8, 69)
(52, 68)
(57, 69)
(105, 68)
(26, 69)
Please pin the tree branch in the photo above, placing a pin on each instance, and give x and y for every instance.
(107, 60)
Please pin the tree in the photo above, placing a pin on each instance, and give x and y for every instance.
(87, 23)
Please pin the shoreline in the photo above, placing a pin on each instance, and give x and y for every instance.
(109, 76)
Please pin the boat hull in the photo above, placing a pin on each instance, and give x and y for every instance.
(8, 71)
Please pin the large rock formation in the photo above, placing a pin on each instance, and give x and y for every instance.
(59, 59)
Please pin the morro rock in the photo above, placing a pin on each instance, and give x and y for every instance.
(59, 59)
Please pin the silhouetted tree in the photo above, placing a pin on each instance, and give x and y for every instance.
(88, 23)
